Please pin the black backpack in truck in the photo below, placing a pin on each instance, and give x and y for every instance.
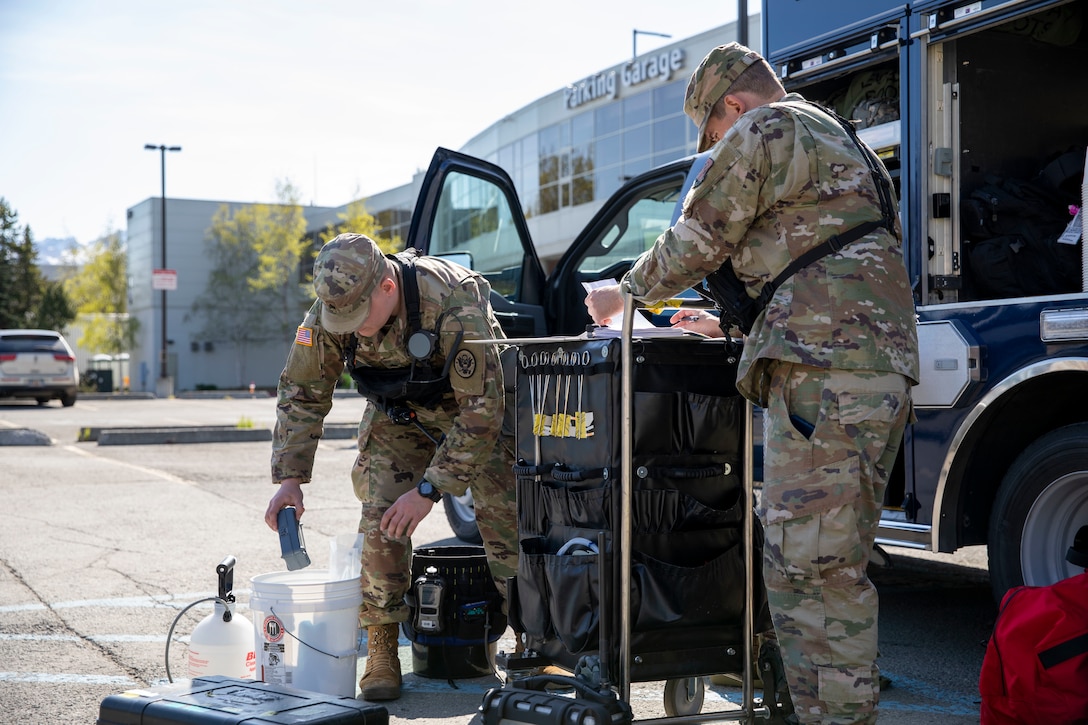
(1012, 229)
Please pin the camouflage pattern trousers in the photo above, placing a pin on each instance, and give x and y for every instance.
(830, 441)
(392, 459)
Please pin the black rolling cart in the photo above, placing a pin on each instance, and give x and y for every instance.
(639, 551)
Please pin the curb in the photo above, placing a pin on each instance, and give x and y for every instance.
(203, 394)
(340, 432)
(23, 437)
(115, 396)
(121, 436)
(94, 433)
(202, 434)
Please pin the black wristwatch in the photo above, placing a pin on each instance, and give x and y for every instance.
(426, 489)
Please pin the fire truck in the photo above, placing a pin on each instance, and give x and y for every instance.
(980, 111)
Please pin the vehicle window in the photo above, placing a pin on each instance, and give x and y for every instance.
(30, 343)
(474, 217)
(633, 231)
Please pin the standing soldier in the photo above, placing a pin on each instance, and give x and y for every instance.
(399, 324)
(806, 214)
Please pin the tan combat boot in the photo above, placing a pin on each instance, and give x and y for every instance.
(381, 679)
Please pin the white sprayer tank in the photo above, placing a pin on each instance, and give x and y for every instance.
(223, 648)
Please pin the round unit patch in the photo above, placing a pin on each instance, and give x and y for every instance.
(464, 364)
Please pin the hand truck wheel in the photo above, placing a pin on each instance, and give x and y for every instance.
(684, 696)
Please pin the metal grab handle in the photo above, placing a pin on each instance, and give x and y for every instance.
(723, 469)
(524, 469)
(574, 475)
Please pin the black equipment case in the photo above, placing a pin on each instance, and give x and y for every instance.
(683, 517)
(524, 701)
(217, 700)
(455, 612)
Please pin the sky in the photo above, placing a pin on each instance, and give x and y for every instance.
(342, 98)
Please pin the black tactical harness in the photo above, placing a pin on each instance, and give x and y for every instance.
(725, 289)
(419, 383)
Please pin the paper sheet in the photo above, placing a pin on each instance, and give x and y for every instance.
(640, 326)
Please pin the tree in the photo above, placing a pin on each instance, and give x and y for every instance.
(99, 291)
(280, 245)
(357, 220)
(56, 311)
(9, 231)
(26, 298)
(256, 291)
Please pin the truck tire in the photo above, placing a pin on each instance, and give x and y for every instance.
(461, 515)
(1041, 503)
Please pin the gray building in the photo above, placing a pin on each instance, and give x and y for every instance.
(567, 152)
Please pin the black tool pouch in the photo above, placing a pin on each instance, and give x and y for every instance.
(395, 386)
(725, 289)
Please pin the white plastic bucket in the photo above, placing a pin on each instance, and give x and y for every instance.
(307, 630)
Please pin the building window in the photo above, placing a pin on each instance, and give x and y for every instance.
(634, 167)
(581, 129)
(609, 151)
(588, 156)
(669, 135)
(669, 99)
(393, 224)
(549, 198)
(582, 189)
(636, 109)
(609, 118)
(637, 144)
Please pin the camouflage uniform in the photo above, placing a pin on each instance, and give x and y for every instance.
(393, 457)
(836, 347)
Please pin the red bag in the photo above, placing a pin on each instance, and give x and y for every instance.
(1036, 664)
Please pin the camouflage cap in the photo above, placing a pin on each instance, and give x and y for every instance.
(346, 271)
(711, 80)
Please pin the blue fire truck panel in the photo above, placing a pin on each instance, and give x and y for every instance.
(978, 110)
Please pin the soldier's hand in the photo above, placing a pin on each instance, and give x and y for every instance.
(699, 321)
(288, 493)
(604, 303)
(402, 518)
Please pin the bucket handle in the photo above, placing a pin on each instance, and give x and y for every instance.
(307, 644)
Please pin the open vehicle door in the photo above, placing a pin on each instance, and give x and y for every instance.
(468, 206)
(468, 209)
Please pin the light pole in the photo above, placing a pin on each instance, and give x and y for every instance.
(742, 22)
(162, 149)
(634, 39)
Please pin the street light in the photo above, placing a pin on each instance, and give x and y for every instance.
(634, 39)
(162, 149)
(742, 22)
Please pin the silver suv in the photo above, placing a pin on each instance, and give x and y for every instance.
(37, 364)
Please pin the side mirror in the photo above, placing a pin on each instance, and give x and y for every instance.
(462, 258)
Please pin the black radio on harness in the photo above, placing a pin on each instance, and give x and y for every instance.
(419, 383)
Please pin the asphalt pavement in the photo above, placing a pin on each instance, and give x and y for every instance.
(104, 545)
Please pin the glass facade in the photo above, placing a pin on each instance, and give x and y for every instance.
(393, 223)
(590, 155)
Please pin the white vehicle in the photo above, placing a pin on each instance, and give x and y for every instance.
(37, 364)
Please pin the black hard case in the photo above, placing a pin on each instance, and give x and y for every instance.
(687, 565)
(524, 701)
(217, 700)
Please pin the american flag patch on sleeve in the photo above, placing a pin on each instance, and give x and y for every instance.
(304, 336)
